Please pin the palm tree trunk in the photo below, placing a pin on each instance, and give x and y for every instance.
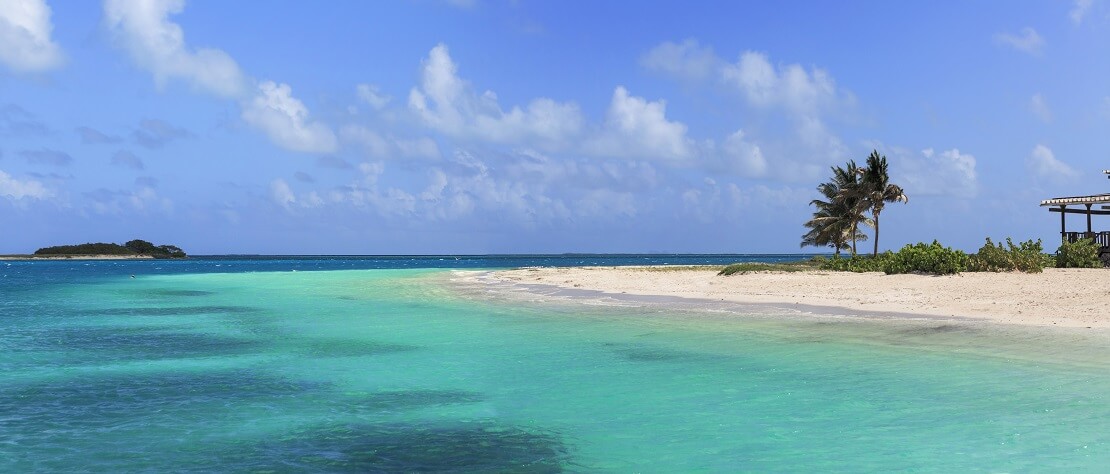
(876, 234)
(854, 230)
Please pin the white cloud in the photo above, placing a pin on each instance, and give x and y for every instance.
(285, 120)
(15, 189)
(373, 143)
(686, 60)
(282, 194)
(447, 103)
(377, 146)
(1079, 10)
(804, 96)
(25, 43)
(790, 86)
(419, 148)
(158, 45)
(1039, 107)
(637, 128)
(1043, 164)
(744, 156)
(949, 173)
(1028, 41)
(370, 94)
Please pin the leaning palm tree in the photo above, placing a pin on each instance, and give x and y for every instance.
(875, 190)
(836, 220)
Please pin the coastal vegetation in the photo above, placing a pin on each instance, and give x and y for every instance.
(846, 199)
(798, 266)
(1028, 257)
(936, 259)
(1082, 253)
(136, 248)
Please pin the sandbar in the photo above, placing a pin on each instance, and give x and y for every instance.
(1058, 297)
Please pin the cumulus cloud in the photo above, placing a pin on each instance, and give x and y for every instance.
(803, 96)
(370, 94)
(743, 156)
(144, 29)
(686, 60)
(377, 146)
(46, 156)
(637, 128)
(154, 133)
(1028, 41)
(16, 189)
(127, 160)
(25, 43)
(1079, 10)
(447, 103)
(282, 195)
(1044, 165)
(949, 173)
(1039, 107)
(91, 136)
(157, 44)
(285, 120)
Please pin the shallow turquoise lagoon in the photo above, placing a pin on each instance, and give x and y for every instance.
(396, 371)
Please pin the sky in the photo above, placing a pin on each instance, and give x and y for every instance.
(481, 126)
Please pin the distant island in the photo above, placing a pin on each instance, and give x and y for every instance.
(132, 249)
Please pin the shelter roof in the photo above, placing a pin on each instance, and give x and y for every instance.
(1073, 200)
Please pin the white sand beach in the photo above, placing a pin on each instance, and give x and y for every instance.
(1057, 297)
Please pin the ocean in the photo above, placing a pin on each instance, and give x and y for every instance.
(381, 364)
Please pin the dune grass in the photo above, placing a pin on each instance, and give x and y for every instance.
(747, 267)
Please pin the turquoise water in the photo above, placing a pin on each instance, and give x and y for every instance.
(397, 371)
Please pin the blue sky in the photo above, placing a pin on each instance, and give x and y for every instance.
(497, 127)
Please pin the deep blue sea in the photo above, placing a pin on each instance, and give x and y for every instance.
(380, 364)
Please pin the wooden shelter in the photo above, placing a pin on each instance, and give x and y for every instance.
(1093, 205)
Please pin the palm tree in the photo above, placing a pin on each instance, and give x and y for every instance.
(875, 190)
(851, 198)
(836, 220)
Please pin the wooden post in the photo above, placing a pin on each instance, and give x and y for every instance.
(1063, 229)
(1088, 218)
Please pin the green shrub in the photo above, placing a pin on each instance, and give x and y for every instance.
(991, 258)
(856, 263)
(927, 258)
(1027, 257)
(1082, 253)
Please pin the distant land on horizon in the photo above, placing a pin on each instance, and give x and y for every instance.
(134, 249)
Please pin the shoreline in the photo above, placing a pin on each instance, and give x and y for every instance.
(1075, 298)
(73, 257)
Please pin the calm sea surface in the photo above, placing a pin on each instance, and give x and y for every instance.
(378, 364)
